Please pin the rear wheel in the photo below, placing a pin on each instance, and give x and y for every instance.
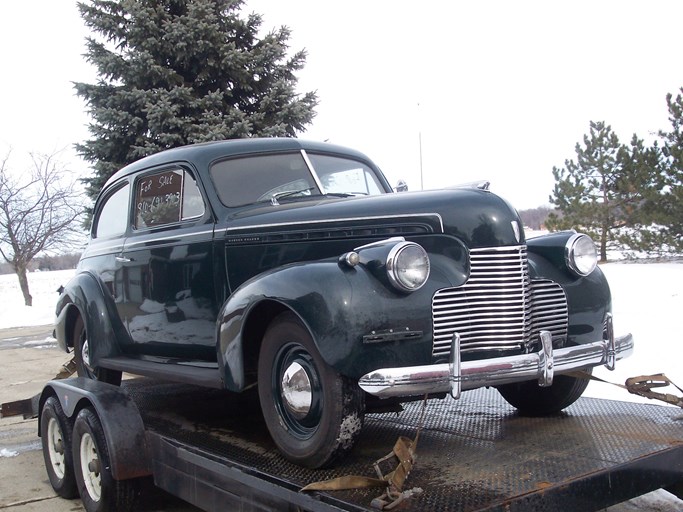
(92, 465)
(55, 433)
(533, 400)
(314, 415)
(83, 362)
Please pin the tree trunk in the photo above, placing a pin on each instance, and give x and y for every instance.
(23, 284)
(603, 245)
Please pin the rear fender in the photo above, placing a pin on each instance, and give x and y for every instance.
(85, 296)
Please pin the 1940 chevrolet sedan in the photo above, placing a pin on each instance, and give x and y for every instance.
(293, 266)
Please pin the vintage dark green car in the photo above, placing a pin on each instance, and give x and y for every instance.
(295, 267)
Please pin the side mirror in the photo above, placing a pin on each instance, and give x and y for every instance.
(401, 186)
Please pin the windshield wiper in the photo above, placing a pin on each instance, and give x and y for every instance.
(283, 195)
(338, 194)
(345, 194)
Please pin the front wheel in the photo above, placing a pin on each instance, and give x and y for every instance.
(314, 415)
(84, 368)
(533, 400)
(92, 466)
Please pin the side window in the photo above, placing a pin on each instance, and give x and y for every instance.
(112, 219)
(193, 204)
(343, 175)
(166, 197)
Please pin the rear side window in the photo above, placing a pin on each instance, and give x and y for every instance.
(113, 217)
(166, 197)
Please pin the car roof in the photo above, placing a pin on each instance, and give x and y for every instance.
(204, 153)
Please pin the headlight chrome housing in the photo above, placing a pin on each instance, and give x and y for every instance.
(407, 266)
(580, 254)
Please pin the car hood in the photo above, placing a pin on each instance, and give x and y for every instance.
(477, 217)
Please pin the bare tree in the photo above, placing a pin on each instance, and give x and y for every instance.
(39, 212)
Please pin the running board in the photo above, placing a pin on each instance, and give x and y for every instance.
(184, 373)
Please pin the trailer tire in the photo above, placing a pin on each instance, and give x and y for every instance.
(99, 491)
(530, 399)
(82, 356)
(328, 423)
(56, 429)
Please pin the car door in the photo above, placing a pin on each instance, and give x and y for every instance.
(102, 256)
(168, 292)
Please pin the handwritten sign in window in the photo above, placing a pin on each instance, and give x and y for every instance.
(158, 198)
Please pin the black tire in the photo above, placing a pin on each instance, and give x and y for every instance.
(82, 357)
(532, 400)
(55, 433)
(331, 418)
(92, 466)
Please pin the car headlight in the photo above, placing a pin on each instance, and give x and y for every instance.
(580, 254)
(407, 266)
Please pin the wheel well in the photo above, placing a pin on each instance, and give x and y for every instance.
(72, 316)
(255, 327)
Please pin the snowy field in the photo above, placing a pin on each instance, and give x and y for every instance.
(647, 301)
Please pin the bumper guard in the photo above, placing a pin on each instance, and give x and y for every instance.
(457, 376)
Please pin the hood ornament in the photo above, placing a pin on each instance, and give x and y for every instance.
(515, 228)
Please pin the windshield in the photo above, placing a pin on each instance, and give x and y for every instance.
(287, 177)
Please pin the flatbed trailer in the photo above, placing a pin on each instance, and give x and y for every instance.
(212, 449)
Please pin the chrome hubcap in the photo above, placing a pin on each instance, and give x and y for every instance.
(296, 391)
(85, 353)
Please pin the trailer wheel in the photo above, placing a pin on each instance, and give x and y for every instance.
(55, 433)
(96, 485)
(314, 415)
(532, 400)
(82, 356)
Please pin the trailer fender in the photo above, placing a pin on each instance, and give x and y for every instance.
(121, 421)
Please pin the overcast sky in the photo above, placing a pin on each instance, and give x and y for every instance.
(497, 90)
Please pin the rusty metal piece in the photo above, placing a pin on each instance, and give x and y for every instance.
(67, 370)
(28, 408)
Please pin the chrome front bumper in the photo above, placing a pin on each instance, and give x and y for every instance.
(456, 376)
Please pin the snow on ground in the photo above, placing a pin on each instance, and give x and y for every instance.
(43, 288)
(647, 299)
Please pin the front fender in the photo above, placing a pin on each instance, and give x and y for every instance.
(86, 296)
(588, 298)
(357, 322)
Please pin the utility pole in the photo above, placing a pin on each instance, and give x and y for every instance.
(419, 136)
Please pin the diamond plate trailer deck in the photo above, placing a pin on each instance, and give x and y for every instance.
(212, 449)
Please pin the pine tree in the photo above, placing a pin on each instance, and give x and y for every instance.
(176, 72)
(668, 202)
(641, 192)
(597, 193)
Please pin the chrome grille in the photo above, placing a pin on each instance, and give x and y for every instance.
(498, 308)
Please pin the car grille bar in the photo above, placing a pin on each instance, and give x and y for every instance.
(499, 307)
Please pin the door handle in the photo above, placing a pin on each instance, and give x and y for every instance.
(122, 259)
